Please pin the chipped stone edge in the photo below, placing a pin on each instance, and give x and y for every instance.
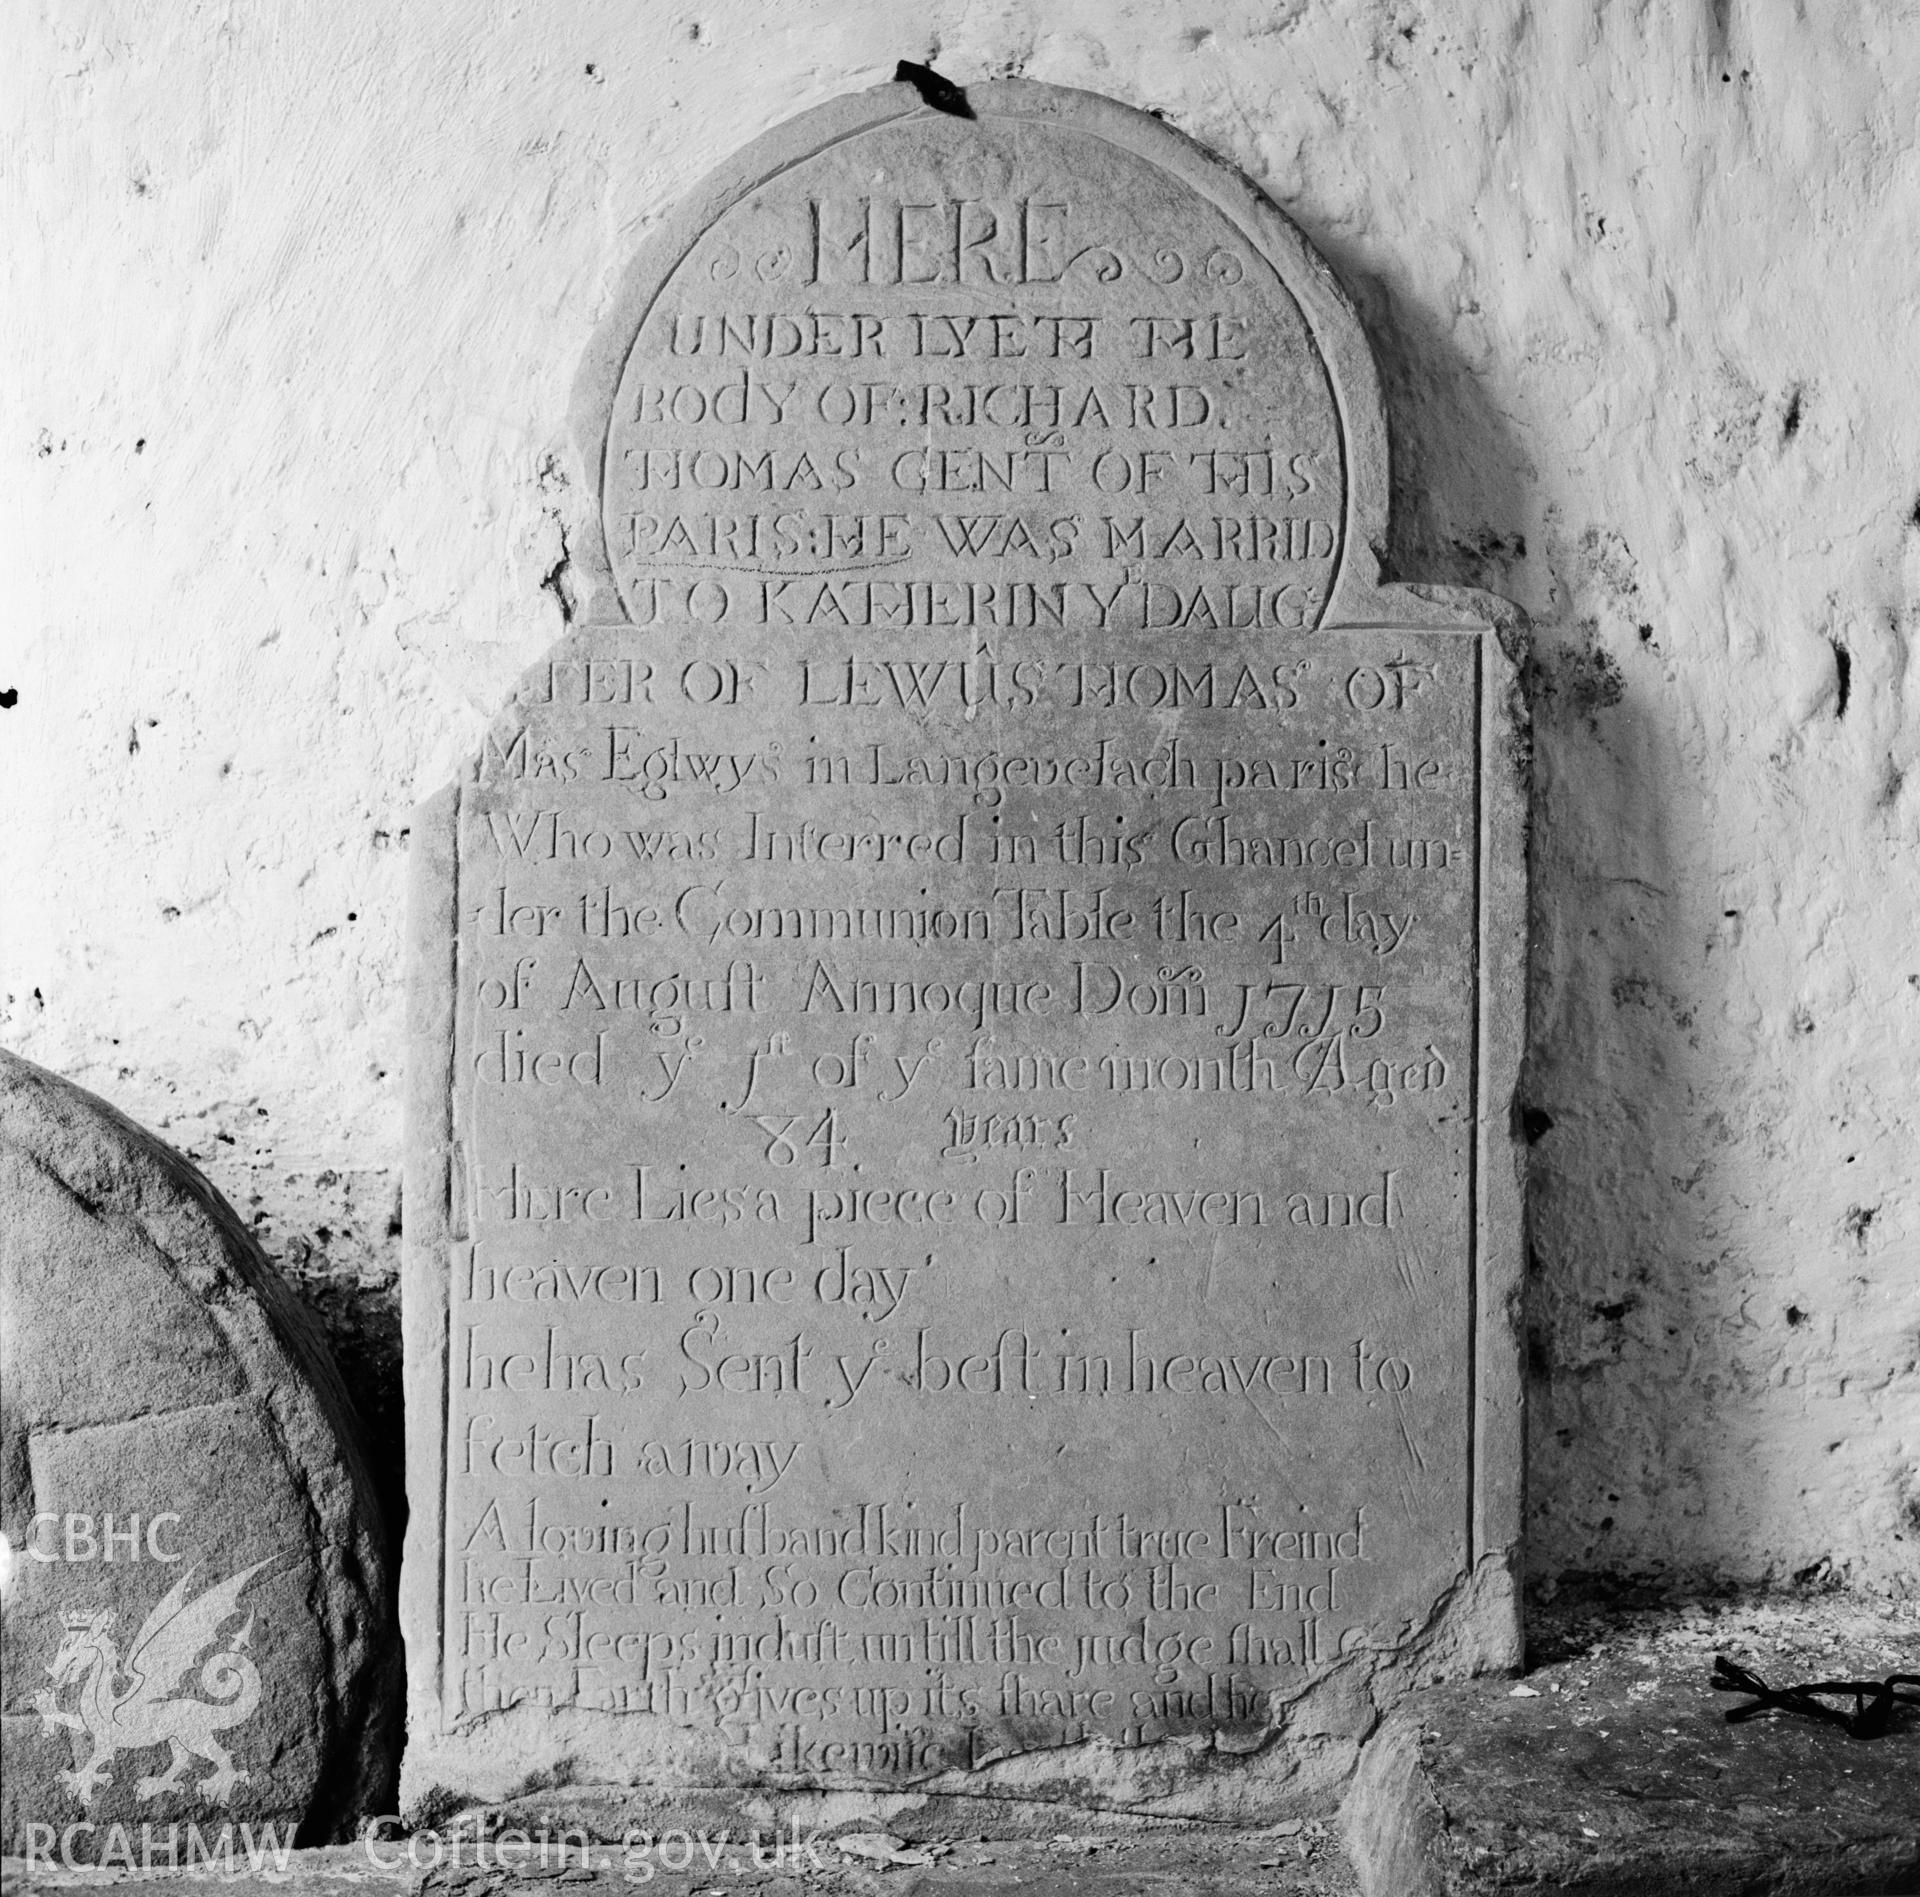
(427, 1235)
(1391, 1820)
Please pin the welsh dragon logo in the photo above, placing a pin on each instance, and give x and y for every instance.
(125, 1705)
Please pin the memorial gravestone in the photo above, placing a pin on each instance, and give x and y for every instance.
(962, 1218)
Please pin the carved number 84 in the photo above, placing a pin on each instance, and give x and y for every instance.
(784, 1149)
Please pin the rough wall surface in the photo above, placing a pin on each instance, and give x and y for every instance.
(304, 296)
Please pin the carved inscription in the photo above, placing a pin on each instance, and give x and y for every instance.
(989, 394)
(965, 1055)
(967, 1208)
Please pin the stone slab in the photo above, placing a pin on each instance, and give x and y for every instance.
(1614, 1770)
(193, 1551)
(963, 1227)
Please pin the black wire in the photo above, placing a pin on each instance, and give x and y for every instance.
(1873, 1700)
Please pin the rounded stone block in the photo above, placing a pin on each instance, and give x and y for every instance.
(197, 1622)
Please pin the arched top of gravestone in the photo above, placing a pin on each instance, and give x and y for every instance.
(1057, 324)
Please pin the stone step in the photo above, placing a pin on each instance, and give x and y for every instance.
(1621, 1777)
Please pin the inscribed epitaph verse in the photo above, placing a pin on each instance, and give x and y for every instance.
(964, 1022)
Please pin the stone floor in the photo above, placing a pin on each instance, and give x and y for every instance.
(1300, 1859)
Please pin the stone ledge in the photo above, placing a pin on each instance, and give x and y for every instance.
(1617, 1772)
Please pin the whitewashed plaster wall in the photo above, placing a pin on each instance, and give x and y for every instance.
(297, 293)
